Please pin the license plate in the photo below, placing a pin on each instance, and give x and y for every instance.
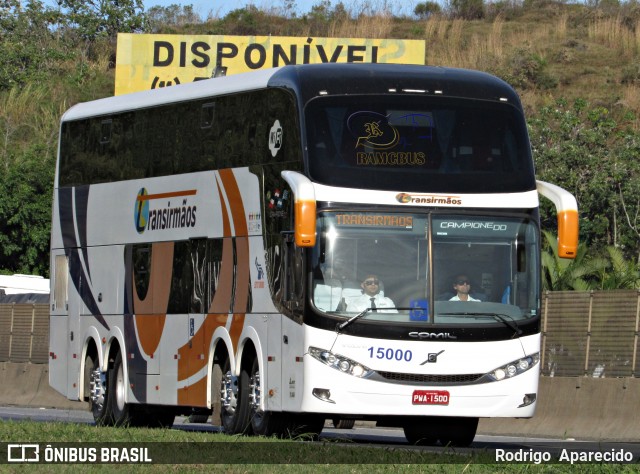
(430, 397)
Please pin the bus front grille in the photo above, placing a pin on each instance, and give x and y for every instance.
(455, 379)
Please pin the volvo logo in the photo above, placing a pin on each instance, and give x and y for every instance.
(431, 335)
(433, 357)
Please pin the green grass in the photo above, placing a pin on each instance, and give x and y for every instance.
(237, 454)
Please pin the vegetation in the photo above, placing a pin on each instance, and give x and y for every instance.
(576, 67)
(171, 449)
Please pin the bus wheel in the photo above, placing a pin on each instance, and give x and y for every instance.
(95, 386)
(263, 423)
(234, 395)
(344, 423)
(117, 393)
(421, 432)
(458, 432)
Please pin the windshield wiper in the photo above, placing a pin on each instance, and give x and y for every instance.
(503, 318)
(344, 324)
(384, 311)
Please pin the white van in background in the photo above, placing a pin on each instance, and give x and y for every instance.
(18, 284)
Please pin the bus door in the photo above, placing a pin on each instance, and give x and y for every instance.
(59, 323)
(292, 342)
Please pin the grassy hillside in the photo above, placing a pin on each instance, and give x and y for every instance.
(575, 66)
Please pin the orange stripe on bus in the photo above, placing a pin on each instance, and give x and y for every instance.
(237, 324)
(235, 201)
(194, 395)
(151, 312)
(148, 197)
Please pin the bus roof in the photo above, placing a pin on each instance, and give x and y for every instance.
(312, 80)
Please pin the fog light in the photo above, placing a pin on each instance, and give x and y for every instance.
(528, 399)
(323, 394)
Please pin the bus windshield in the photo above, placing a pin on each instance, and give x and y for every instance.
(412, 143)
(377, 266)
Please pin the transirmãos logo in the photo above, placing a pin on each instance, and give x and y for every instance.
(405, 198)
(164, 210)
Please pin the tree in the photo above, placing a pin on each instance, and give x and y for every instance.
(615, 272)
(467, 9)
(561, 274)
(584, 150)
(30, 51)
(427, 9)
(105, 18)
(173, 15)
(25, 212)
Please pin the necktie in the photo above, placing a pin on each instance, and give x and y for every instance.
(373, 304)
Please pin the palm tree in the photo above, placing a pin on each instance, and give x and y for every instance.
(559, 274)
(615, 272)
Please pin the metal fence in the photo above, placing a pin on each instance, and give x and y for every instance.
(591, 334)
(24, 333)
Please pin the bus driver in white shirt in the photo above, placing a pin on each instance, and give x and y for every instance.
(371, 297)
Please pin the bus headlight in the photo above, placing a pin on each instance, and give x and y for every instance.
(340, 363)
(514, 368)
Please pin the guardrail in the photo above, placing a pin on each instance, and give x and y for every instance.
(594, 334)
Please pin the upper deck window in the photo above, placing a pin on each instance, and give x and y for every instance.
(417, 143)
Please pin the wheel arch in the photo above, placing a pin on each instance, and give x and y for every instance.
(89, 348)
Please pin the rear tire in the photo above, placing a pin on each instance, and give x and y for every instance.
(120, 410)
(95, 388)
(235, 401)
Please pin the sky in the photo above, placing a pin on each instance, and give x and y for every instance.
(220, 8)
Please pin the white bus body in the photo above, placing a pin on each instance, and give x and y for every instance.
(201, 269)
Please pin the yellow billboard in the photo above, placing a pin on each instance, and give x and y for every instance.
(146, 61)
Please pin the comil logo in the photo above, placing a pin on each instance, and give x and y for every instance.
(164, 210)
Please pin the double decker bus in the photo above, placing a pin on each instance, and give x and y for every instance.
(210, 241)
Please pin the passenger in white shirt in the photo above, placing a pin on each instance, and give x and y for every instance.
(462, 287)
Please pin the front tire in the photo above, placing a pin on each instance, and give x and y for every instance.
(263, 423)
(306, 426)
(344, 423)
(421, 432)
(459, 432)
